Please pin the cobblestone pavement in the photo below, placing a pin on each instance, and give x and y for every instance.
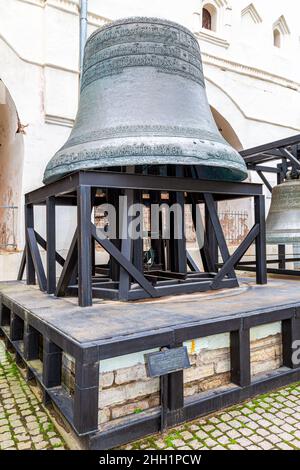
(23, 422)
(267, 422)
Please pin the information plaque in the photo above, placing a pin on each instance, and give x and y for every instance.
(166, 361)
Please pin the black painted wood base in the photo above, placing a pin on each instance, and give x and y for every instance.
(38, 339)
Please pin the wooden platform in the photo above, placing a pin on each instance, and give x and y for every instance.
(118, 321)
(111, 329)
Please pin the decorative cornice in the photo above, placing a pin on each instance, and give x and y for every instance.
(97, 20)
(64, 5)
(251, 10)
(36, 3)
(212, 38)
(217, 3)
(247, 116)
(59, 120)
(249, 71)
(282, 25)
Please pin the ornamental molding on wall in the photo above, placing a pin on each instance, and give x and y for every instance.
(282, 25)
(252, 12)
(211, 38)
(227, 65)
(217, 3)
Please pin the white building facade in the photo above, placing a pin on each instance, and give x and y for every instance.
(249, 52)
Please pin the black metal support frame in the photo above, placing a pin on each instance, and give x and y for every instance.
(286, 153)
(124, 277)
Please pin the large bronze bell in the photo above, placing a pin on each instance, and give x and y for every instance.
(143, 102)
(283, 222)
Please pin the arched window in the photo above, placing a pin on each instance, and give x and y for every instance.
(277, 38)
(209, 17)
(206, 19)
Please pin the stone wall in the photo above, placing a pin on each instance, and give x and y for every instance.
(125, 390)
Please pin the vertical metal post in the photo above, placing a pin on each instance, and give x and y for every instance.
(52, 359)
(240, 357)
(86, 396)
(29, 223)
(212, 244)
(51, 245)
(84, 246)
(138, 243)
(178, 260)
(126, 243)
(83, 30)
(281, 248)
(260, 241)
(290, 334)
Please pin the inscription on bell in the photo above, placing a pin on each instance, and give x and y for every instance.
(143, 102)
(167, 361)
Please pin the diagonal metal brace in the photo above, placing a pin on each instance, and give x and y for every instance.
(236, 257)
(124, 262)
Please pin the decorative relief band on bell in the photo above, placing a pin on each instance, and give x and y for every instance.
(163, 45)
(134, 30)
(158, 49)
(165, 64)
(145, 130)
(140, 150)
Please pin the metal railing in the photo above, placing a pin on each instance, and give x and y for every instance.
(235, 225)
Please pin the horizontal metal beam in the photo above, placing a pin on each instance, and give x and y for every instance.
(271, 146)
(57, 188)
(113, 180)
(163, 183)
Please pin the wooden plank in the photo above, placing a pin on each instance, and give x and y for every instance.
(37, 260)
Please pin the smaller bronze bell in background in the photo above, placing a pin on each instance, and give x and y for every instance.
(283, 221)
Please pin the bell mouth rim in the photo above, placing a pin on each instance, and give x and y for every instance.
(233, 171)
(141, 19)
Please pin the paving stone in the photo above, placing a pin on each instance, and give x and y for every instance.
(19, 423)
(186, 435)
(194, 444)
(178, 442)
(233, 434)
(6, 444)
(201, 434)
(266, 445)
(24, 445)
